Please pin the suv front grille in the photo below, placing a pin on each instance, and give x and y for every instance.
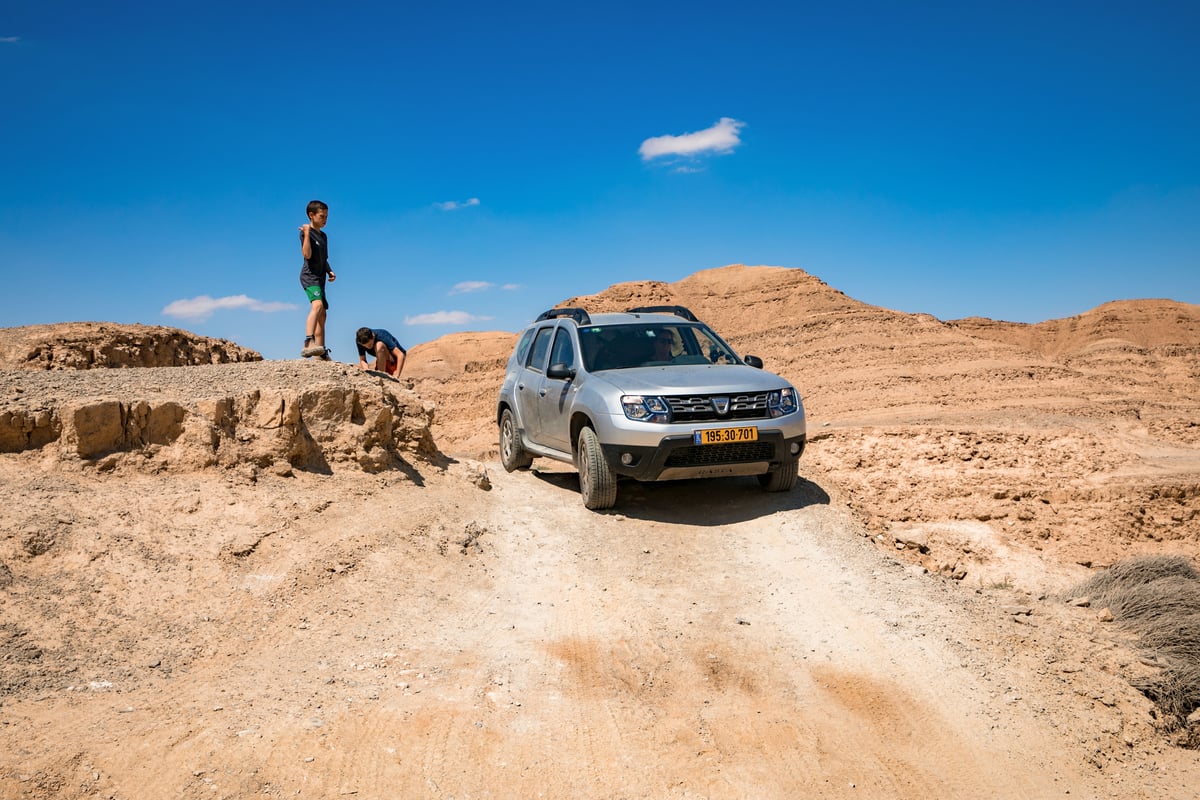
(703, 408)
(708, 454)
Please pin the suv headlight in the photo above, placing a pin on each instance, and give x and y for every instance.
(782, 402)
(645, 409)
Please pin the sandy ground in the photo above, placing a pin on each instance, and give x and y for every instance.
(363, 636)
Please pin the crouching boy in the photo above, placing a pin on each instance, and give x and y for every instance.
(387, 352)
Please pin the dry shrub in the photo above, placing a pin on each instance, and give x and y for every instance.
(1131, 573)
(1176, 693)
(1157, 598)
(1152, 605)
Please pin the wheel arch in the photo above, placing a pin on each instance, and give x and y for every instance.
(503, 406)
(579, 421)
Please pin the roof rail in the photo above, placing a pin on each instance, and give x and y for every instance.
(578, 314)
(679, 311)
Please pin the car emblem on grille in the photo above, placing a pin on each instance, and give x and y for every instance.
(721, 405)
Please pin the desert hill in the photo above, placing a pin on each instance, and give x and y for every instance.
(1144, 324)
(90, 345)
(1077, 437)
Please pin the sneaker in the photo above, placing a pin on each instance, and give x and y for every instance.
(312, 350)
(325, 351)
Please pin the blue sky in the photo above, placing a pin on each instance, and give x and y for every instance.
(482, 161)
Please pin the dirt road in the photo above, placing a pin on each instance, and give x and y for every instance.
(357, 635)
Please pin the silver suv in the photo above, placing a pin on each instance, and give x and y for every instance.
(651, 394)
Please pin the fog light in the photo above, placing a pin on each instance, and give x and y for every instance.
(795, 448)
(627, 458)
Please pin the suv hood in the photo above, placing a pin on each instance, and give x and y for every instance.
(685, 379)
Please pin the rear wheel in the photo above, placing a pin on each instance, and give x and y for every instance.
(597, 483)
(512, 454)
(781, 479)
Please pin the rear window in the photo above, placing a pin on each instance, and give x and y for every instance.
(541, 346)
(523, 346)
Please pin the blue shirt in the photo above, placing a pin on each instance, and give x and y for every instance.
(388, 340)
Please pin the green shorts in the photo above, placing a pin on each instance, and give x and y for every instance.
(316, 293)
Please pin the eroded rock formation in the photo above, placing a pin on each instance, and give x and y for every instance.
(311, 416)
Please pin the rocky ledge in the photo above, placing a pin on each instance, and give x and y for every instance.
(282, 415)
(92, 345)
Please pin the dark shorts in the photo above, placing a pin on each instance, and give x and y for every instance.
(315, 293)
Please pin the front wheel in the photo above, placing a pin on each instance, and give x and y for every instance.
(512, 455)
(782, 478)
(597, 483)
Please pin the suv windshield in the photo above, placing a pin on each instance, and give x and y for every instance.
(648, 345)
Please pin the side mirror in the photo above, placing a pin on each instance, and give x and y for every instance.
(753, 361)
(560, 372)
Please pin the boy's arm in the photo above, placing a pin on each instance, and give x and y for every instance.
(305, 245)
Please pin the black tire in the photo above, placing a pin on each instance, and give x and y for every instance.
(597, 483)
(512, 455)
(781, 479)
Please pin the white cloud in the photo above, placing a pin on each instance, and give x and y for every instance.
(455, 205)
(9, 39)
(467, 287)
(202, 307)
(511, 287)
(444, 318)
(720, 138)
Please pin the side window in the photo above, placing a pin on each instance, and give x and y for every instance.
(563, 352)
(541, 346)
(523, 346)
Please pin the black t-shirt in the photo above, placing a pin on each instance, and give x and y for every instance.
(313, 272)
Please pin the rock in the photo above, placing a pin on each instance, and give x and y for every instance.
(481, 480)
(913, 539)
(265, 415)
(472, 472)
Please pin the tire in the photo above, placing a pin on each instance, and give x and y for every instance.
(781, 479)
(512, 455)
(597, 483)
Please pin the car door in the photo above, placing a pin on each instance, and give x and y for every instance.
(553, 395)
(529, 384)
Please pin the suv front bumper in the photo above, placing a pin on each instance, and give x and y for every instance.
(677, 456)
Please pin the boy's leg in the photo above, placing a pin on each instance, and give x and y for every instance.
(381, 358)
(315, 309)
(318, 329)
(396, 366)
(314, 325)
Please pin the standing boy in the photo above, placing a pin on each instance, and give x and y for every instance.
(314, 246)
(389, 355)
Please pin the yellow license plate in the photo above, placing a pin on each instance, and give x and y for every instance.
(725, 435)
